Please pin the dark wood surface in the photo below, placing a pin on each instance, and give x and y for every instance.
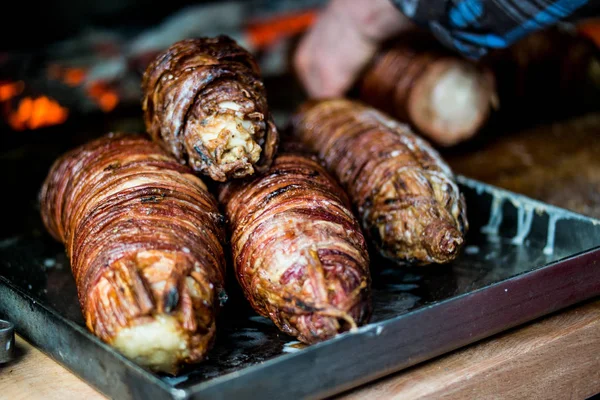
(556, 357)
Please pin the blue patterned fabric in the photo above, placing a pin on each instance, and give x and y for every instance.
(472, 27)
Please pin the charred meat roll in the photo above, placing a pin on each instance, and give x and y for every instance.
(445, 97)
(298, 251)
(204, 101)
(404, 193)
(144, 238)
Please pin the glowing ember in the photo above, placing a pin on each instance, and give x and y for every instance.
(108, 101)
(8, 90)
(106, 97)
(101, 92)
(264, 33)
(71, 76)
(74, 76)
(37, 113)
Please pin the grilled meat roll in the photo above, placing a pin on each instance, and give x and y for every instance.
(298, 251)
(403, 191)
(144, 238)
(205, 102)
(445, 97)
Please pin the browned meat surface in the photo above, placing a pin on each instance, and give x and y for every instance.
(445, 97)
(204, 102)
(298, 251)
(144, 239)
(403, 191)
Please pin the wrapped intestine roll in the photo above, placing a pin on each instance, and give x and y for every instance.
(298, 251)
(404, 193)
(447, 98)
(144, 238)
(204, 101)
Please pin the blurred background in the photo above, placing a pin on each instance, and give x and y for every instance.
(70, 70)
(66, 59)
(71, 58)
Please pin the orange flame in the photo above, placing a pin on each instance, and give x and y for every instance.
(103, 95)
(106, 97)
(266, 32)
(71, 76)
(74, 76)
(8, 90)
(37, 113)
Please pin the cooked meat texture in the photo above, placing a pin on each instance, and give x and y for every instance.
(144, 238)
(447, 98)
(204, 101)
(298, 251)
(403, 192)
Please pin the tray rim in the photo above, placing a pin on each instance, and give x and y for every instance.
(508, 194)
(200, 388)
(79, 330)
(367, 330)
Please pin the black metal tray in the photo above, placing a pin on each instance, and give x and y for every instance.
(523, 259)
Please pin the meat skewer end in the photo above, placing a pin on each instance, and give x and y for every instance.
(451, 101)
(404, 193)
(444, 97)
(204, 101)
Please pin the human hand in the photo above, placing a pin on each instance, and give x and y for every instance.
(342, 41)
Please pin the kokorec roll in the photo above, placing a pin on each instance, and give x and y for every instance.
(204, 101)
(404, 193)
(298, 251)
(447, 98)
(144, 238)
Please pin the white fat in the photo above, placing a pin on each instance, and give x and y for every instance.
(192, 286)
(247, 125)
(455, 98)
(237, 137)
(161, 261)
(130, 183)
(157, 344)
(281, 262)
(230, 105)
(240, 142)
(317, 235)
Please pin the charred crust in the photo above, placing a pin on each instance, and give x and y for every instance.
(122, 218)
(290, 209)
(397, 198)
(184, 87)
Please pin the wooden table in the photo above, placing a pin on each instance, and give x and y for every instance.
(557, 356)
